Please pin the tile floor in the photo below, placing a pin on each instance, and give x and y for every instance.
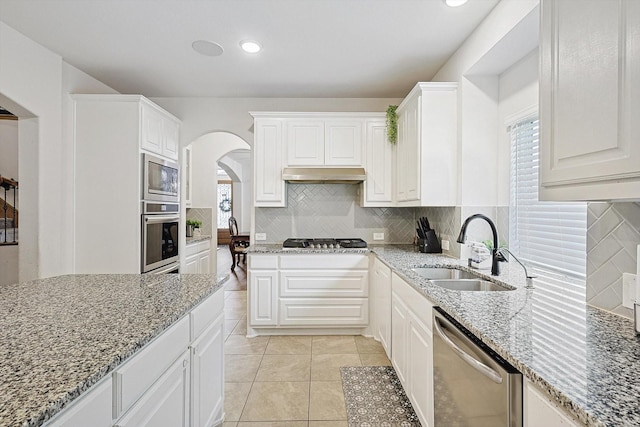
(285, 381)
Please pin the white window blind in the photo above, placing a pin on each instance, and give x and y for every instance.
(548, 235)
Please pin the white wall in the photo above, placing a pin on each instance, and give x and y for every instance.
(9, 148)
(34, 83)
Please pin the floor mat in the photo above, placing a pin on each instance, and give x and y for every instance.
(375, 398)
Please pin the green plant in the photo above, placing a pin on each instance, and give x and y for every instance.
(392, 124)
(194, 223)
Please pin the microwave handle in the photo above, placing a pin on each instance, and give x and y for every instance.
(160, 219)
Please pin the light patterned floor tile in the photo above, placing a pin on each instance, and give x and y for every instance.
(289, 367)
(326, 401)
(277, 401)
(241, 367)
(334, 345)
(235, 397)
(326, 367)
(289, 345)
(238, 344)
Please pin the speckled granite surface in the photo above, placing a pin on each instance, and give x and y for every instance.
(586, 359)
(196, 239)
(61, 335)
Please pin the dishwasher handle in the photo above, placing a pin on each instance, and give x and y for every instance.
(472, 361)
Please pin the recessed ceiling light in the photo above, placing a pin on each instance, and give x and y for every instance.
(207, 48)
(250, 46)
(455, 3)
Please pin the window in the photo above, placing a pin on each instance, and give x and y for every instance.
(550, 236)
(224, 204)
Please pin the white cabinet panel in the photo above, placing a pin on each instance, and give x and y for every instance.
(324, 283)
(207, 372)
(171, 139)
(380, 155)
(132, 379)
(204, 263)
(305, 143)
(539, 411)
(151, 130)
(93, 409)
(263, 298)
(343, 144)
(269, 188)
(589, 100)
(381, 290)
(165, 404)
(322, 261)
(324, 311)
(205, 313)
(399, 337)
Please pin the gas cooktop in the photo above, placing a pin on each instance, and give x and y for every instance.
(324, 244)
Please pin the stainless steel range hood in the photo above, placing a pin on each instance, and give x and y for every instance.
(324, 175)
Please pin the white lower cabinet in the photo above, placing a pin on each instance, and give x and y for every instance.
(166, 403)
(197, 258)
(412, 346)
(308, 291)
(207, 369)
(539, 411)
(381, 295)
(176, 380)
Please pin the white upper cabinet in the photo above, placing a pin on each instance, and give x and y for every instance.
(269, 188)
(325, 141)
(426, 158)
(378, 188)
(160, 131)
(590, 100)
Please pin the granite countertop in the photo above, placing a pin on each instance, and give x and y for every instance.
(63, 334)
(196, 239)
(587, 360)
(278, 249)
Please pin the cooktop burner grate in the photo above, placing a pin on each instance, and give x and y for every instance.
(324, 243)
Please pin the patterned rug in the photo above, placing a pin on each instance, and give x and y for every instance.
(375, 398)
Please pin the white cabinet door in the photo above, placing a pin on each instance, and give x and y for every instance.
(269, 188)
(263, 298)
(378, 188)
(152, 133)
(382, 305)
(187, 176)
(305, 142)
(190, 265)
(409, 151)
(92, 409)
(165, 404)
(207, 380)
(399, 337)
(420, 369)
(171, 138)
(204, 263)
(539, 411)
(343, 143)
(589, 100)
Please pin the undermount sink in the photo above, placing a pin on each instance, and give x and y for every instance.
(469, 285)
(458, 280)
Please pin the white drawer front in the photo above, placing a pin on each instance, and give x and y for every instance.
(263, 262)
(194, 248)
(136, 376)
(318, 261)
(324, 311)
(327, 283)
(90, 409)
(206, 312)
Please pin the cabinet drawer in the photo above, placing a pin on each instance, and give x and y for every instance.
(132, 379)
(324, 311)
(205, 313)
(329, 261)
(194, 248)
(263, 262)
(327, 283)
(415, 301)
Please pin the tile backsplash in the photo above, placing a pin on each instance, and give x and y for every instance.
(332, 210)
(446, 222)
(613, 233)
(204, 215)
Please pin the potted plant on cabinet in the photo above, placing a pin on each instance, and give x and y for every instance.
(193, 225)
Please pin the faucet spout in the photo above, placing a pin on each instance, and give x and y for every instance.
(495, 267)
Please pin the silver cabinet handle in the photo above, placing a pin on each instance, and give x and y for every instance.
(158, 219)
(473, 362)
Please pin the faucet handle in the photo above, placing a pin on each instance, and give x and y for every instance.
(500, 256)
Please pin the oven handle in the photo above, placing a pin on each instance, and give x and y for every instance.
(159, 219)
(473, 362)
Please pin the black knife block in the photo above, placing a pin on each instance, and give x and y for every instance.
(430, 245)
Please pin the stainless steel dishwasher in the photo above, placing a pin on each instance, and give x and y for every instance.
(473, 386)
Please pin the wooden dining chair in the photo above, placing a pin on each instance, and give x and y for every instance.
(237, 244)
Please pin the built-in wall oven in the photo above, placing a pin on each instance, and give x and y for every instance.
(159, 179)
(473, 386)
(160, 231)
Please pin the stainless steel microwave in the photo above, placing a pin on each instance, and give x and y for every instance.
(160, 179)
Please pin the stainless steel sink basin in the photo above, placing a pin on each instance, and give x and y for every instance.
(433, 273)
(469, 285)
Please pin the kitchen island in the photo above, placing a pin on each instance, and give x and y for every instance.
(585, 360)
(62, 335)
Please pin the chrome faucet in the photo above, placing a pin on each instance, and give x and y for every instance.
(529, 280)
(495, 268)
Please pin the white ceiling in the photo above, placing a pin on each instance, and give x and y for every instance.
(312, 48)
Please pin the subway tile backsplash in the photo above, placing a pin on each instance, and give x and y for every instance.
(613, 233)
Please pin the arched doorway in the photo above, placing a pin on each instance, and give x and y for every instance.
(207, 153)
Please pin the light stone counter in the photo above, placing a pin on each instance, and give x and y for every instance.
(61, 335)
